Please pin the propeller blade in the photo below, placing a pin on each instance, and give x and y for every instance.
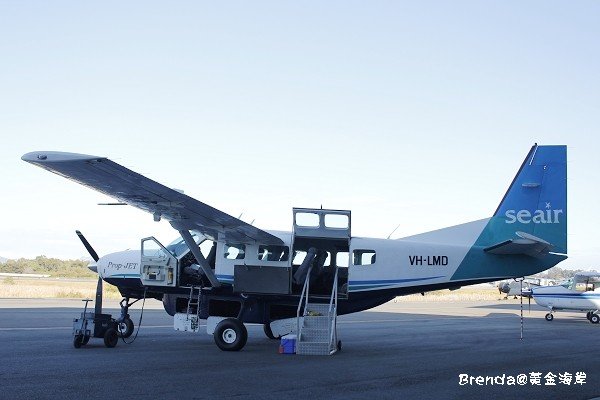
(87, 246)
(98, 305)
(529, 298)
(99, 286)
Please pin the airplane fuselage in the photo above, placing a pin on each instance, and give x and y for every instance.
(561, 298)
(377, 271)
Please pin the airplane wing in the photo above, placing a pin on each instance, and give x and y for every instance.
(184, 212)
(525, 244)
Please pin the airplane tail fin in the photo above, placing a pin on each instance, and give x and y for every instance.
(535, 204)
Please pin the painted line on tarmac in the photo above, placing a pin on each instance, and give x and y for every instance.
(50, 328)
(361, 321)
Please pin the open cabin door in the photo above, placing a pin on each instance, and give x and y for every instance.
(328, 232)
(158, 266)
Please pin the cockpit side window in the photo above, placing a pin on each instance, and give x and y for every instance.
(178, 246)
(206, 247)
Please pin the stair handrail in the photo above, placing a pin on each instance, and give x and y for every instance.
(333, 302)
(305, 292)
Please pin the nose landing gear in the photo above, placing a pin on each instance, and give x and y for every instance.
(124, 323)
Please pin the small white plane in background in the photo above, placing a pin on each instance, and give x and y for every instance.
(581, 293)
(514, 287)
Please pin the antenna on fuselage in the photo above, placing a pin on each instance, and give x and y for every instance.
(395, 229)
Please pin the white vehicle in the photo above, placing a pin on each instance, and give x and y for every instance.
(230, 272)
(581, 293)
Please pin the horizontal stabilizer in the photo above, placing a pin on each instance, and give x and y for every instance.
(525, 244)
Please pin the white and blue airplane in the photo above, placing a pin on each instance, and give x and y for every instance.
(581, 293)
(250, 275)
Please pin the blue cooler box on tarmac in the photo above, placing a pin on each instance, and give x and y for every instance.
(288, 344)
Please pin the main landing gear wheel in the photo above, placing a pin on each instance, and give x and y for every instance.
(269, 332)
(549, 317)
(339, 345)
(126, 328)
(230, 335)
(111, 337)
(595, 318)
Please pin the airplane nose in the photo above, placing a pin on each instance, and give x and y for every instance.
(93, 267)
(527, 292)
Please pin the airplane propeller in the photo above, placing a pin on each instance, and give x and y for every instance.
(94, 255)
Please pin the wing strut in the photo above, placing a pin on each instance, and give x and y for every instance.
(191, 243)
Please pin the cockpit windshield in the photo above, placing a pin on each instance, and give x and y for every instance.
(567, 284)
(178, 246)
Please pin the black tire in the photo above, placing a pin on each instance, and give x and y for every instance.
(339, 345)
(230, 335)
(269, 332)
(77, 341)
(595, 318)
(85, 340)
(111, 338)
(126, 328)
(549, 317)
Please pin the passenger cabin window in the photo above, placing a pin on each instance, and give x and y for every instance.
(299, 257)
(273, 253)
(235, 251)
(342, 258)
(580, 287)
(363, 257)
(336, 221)
(310, 220)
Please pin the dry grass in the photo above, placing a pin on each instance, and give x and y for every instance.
(53, 288)
(60, 288)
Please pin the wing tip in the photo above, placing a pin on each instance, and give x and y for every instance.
(40, 157)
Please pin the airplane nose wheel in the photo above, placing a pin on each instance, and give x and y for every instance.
(126, 327)
(230, 335)
(125, 323)
(549, 317)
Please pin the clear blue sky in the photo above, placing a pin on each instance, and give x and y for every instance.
(411, 113)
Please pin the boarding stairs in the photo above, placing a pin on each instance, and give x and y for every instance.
(317, 322)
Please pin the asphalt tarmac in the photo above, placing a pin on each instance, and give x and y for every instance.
(411, 350)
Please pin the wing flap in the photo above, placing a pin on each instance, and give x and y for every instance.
(127, 186)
